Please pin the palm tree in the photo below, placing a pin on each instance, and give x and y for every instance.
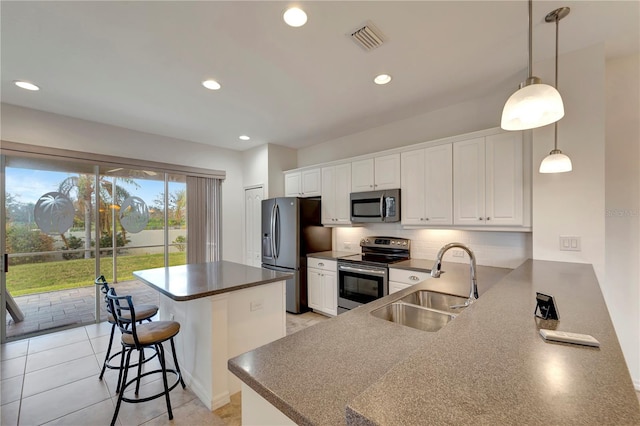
(84, 185)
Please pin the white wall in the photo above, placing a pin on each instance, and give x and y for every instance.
(479, 114)
(280, 159)
(34, 127)
(621, 285)
(573, 203)
(255, 167)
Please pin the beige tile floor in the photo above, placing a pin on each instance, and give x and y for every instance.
(53, 380)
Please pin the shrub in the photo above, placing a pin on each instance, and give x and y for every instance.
(73, 244)
(22, 239)
(180, 242)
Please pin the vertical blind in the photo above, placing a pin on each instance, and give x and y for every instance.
(203, 219)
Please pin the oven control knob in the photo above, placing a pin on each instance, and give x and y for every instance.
(393, 242)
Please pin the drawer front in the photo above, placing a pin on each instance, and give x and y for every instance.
(407, 277)
(327, 265)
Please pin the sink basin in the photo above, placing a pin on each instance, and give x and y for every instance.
(413, 316)
(433, 300)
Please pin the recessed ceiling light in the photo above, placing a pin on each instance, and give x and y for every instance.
(382, 79)
(295, 17)
(244, 137)
(26, 85)
(211, 84)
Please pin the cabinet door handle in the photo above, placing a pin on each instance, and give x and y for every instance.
(413, 278)
(320, 264)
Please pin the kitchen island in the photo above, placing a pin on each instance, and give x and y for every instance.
(224, 309)
(487, 366)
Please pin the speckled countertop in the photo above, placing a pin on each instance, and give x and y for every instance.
(488, 366)
(331, 254)
(193, 281)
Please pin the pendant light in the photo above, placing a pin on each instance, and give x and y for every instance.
(556, 161)
(534, 104)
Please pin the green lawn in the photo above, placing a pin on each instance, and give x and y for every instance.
(51, 276)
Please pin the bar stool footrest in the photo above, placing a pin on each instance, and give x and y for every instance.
(117, 366)
(159, 394)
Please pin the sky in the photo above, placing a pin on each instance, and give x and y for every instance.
(27, 185)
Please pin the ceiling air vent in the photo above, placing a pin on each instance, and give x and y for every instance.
(368, 37)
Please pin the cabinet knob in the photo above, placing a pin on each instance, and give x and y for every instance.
(426, 218)
(479, 218)
(488, 218)
(370, 186)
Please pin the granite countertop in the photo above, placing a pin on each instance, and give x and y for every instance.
(331, 254)
(188, 282)
(488, 366)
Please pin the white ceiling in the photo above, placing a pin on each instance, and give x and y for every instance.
(139, 65)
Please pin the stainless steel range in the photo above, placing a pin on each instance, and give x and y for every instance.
(364, 277)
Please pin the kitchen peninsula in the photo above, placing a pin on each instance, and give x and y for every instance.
(487, 366)
(224, 309)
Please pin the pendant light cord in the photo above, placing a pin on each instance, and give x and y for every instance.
(530, 38)
(555, 125)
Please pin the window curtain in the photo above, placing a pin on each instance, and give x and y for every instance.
(203, 219)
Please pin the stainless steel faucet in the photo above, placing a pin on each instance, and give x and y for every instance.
(435, 271)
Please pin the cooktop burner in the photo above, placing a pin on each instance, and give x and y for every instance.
(380, 251)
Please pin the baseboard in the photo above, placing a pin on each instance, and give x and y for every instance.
(210, 401)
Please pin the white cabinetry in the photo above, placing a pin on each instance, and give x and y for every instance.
(399, 279)
(376, 173)
(427, 186)
(322, 285)
(336, 187)
(305, 183)
(488, 180)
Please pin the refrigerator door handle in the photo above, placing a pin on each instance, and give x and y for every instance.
(273, 231)
(277, 230)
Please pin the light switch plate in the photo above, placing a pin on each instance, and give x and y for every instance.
(570, 243)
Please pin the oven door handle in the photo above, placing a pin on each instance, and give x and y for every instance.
(364, 271)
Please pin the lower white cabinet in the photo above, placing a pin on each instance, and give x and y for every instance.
(399, 279)
(322, 285)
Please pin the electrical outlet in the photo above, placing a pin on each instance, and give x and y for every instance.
(346, 245)
(458, 253)
(570, 243)
(256, 305)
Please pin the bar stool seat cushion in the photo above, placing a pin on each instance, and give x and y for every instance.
(153, 332)
(143, 312)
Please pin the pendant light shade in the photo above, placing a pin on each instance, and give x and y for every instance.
(556, 161)
(534, 104)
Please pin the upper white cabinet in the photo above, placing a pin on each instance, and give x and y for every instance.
(376, 173)
(336, 187)
(304, 183)
(427, 186)
(488, 180)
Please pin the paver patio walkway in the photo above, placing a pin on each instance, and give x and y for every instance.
(57, 309)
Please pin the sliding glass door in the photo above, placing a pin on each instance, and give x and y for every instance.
(67, 222)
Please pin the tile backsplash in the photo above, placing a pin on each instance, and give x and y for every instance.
(501, 249)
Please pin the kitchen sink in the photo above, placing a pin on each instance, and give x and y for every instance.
(413, 316)
(438, 301)
(424, 310)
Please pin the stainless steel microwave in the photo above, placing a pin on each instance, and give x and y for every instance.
(375, 206)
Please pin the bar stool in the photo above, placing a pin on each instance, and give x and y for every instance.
(143, 313)
(138, 337)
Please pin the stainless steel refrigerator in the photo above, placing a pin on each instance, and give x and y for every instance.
(291, 228)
